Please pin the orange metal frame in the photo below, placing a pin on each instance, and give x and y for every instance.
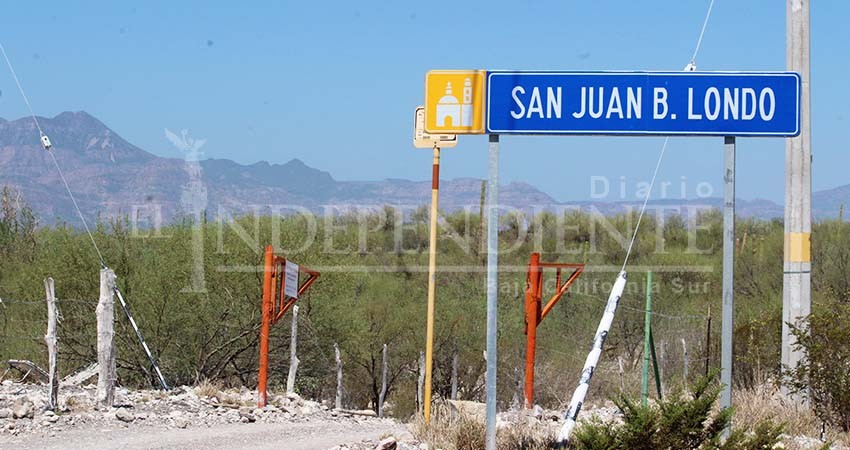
(534, 314)
(275, 305)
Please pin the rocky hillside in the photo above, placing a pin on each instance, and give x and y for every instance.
(111, 176)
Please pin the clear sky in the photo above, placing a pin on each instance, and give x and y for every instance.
(335, 83)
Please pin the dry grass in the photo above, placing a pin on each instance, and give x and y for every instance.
(453, 432)
(765, 402)
(215, 390)
(77, 403)
(207, 388)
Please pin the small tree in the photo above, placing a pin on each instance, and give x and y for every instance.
(823, 376)
(681, 421)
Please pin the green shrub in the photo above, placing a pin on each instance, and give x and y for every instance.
(822, 376)
(681, 421)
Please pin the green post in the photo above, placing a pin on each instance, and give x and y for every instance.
(655, 365)
(644, 389)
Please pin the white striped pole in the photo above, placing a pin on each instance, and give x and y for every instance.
(592, 358)
(141, 339)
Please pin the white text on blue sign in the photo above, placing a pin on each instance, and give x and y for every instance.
(644, 103)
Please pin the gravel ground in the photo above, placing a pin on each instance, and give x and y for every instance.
(321, 434)
(196, 418)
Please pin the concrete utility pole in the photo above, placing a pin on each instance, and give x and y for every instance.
(797, 280)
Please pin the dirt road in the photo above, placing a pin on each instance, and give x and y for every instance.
(283, 436)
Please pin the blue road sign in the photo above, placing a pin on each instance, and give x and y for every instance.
(644, 103)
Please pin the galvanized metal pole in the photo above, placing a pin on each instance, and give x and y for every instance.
(708, 341)
(797, 281)
(492, 288)
(454, 372)
(727, 323)
(293, 353)
(432, 269)
(338, 397)
(647, 323)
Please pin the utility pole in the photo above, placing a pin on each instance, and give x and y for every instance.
(797, 279)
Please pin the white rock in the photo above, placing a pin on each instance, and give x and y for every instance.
(125, 415)
(23, 409)
(470, 409)
(181, 422)
(537, 412)
(389, 443)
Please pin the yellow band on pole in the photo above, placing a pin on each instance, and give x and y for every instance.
(432, 267)
(798, 247)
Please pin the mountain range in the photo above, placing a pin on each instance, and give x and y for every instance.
(110, 176)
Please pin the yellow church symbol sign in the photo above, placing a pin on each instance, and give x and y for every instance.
(454, 101)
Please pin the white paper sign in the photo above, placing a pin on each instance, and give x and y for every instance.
(290, 279)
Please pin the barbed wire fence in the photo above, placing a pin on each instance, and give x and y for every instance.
(23, 324)
(684, 351)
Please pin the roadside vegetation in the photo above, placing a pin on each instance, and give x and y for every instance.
(203, 324)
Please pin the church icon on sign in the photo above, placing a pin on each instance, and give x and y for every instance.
(460, 113)
(454, 101)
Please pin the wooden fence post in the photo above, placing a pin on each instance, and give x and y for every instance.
(105, 335)
(52, 345)
(383, 394)
(293, 357)
(338, 403)
(421, 384)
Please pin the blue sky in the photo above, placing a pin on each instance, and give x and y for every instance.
(335, 83)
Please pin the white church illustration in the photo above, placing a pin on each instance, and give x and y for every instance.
(461, 113)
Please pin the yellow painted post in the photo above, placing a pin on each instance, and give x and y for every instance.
(432, 267)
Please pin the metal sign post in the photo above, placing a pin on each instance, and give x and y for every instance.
(728, 271)
(636, 103)
(492, 287)
(432, 268)
(280, 282)
(535, 311)
(422, 139)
